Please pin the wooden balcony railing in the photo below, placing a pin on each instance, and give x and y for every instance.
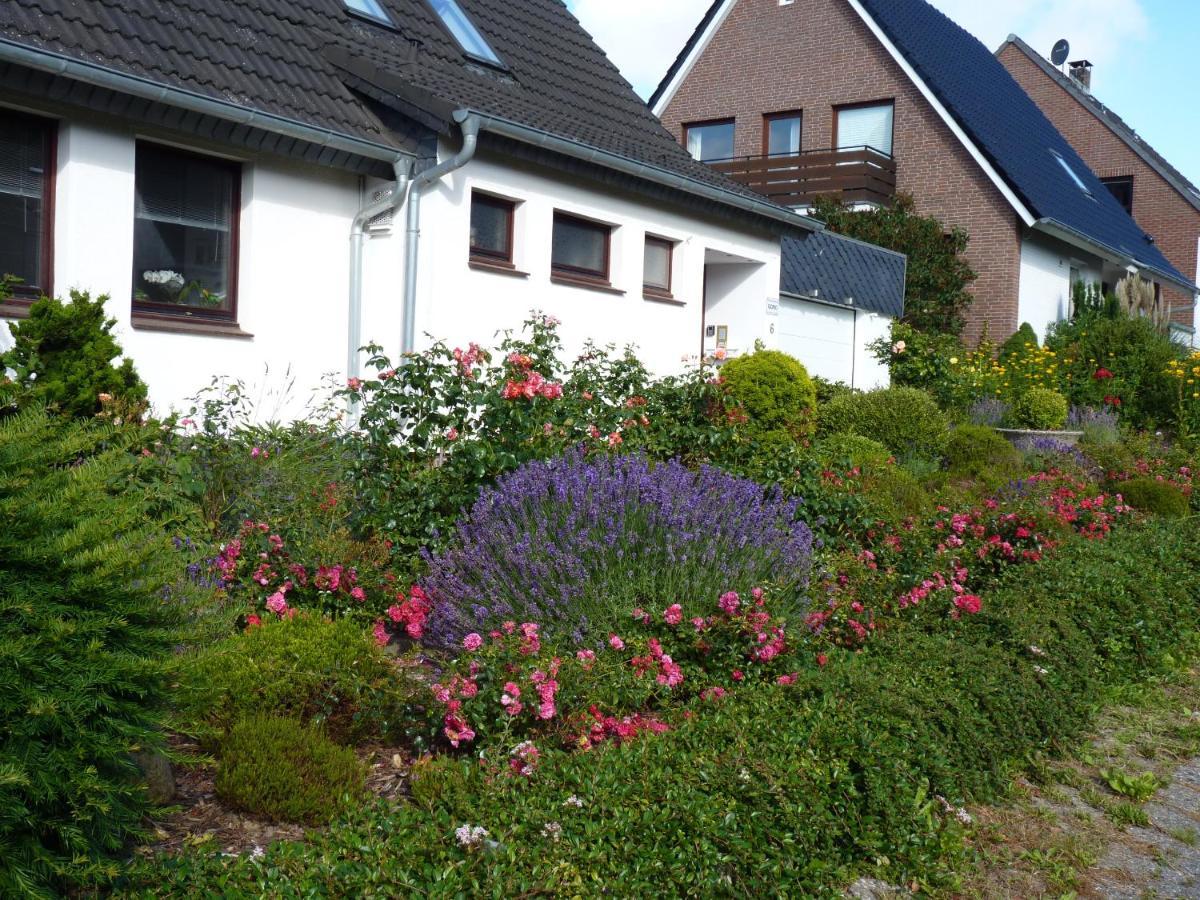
(852, 175)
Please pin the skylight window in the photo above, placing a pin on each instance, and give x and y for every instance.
(463, 30)
(1074, 177)
(371, 8)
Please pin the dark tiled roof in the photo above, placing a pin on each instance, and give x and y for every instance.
(279, 56)
(844, 271)
(1119, 126)
(1010, 129)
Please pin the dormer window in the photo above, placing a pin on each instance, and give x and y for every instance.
(372, 9)
(1071, 172)
(463, 30)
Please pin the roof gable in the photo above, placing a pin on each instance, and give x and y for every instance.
(1112, 121)
(1012, 132)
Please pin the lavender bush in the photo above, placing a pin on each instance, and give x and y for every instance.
(1045, 452)
(988, 411)
(1099, 426)
(575, 543)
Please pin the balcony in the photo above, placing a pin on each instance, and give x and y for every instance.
(852, 175)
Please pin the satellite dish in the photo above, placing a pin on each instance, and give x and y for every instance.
(1061, 51)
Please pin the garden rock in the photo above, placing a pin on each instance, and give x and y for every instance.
(157, 774)
(874, 889)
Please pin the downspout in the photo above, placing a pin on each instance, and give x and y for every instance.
(403, 169)
(469, 124)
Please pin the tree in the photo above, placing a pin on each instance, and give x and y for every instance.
(936, 295)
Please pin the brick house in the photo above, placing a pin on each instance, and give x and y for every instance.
(1158, 196)
(863, 98)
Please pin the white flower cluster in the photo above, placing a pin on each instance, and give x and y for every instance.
(162, 276)
(470, 836)
(552, 830)
(573, 801)
(958, 812)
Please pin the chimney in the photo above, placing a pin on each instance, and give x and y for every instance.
(1081, 74)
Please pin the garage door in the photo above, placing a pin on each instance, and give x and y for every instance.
(821, 337)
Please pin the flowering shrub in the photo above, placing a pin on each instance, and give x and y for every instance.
(256, 568)
(573, 543)
(1185, 375)
(506, 685)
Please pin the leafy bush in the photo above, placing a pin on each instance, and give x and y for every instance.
(905, 420)
(974, 451)
(851, 450)
(1024, 338)
(575, 543)
(306, 668)
(1040, 409)
(64, 352)
(936, 295)
(1161, 498)
(286, 771)
(89, 613)
(922, 360)
(774, 391)
(893, 494)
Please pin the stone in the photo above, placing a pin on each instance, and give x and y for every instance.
(157, 774)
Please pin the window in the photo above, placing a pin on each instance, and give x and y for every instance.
(710, 141)
(656, 272)
(866, 125)
(1122, 189)
(371, 8)
(463, 30)
(781, 134)
(185, 233)
(580, 248)
(491, 229)
(1072, 173)
(26, 192)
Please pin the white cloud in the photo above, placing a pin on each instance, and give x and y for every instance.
(642, 37)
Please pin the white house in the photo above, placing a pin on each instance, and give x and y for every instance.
(261, 187)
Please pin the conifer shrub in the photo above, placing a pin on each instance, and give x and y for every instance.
(1160, 498)
(1041, 409)
(64, 354)
(852, 450)
(286, 771)
(975, 451)
(1023, 337)
(306, 668)
(89, 611)
(904, 419)
(774, 391)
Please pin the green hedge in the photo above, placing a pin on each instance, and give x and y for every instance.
(779, 791)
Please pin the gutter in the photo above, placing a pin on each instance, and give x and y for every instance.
(403, 168)
(1056, 229)
(470, 131)
(146, 89)
(576, 150)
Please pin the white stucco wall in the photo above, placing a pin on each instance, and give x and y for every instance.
(1044, 292)
(833, 342)
(292, 274)
(458, 304)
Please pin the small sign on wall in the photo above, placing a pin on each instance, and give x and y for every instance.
(722, 335)
(772, 306)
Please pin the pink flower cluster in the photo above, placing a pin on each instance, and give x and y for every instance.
(533, 385)
(412, 612)
(467, 359)
(668, 673)
(610, 728)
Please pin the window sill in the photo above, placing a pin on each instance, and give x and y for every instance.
(649, 293)
(185, 325)
(500, 268)
(15, 308)
(593, 284)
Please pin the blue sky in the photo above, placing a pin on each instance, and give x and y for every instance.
(1143, 50)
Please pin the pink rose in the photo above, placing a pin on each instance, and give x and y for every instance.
(615, 642)
(673, 614)
(472, 642)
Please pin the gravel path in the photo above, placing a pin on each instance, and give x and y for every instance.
(1161, 861)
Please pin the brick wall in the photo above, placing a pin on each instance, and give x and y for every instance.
(814, 55)
(1157, 206)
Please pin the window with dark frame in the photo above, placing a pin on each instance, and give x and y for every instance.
(710, 141)
(464, 32)
(782, 133)
(492, 229)
(1121, 187)
(656, 271)
(27, 150)
(370, 8)
(185, 233)
(580, 248)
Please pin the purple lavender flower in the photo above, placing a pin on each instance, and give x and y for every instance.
(575, 543)
(989, 411)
